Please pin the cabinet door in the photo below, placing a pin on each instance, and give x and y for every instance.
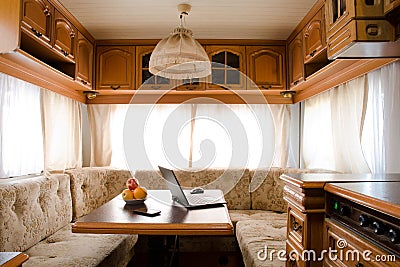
(64, 36)
(227, 68)
(115, 67)
(266, 67)
(296, 62)
(84, 61)
(145, 79)
(37, 19)
(314, 36)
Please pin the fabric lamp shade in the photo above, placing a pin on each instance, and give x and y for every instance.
(180, 56)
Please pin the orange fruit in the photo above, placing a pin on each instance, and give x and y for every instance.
(127, 194)
(139, 193)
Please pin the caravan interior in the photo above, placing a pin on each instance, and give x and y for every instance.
(287, 110)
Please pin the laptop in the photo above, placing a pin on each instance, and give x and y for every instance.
(189, 201)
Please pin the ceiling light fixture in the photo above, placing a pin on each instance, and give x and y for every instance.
(180, 56)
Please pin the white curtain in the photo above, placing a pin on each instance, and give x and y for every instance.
(62, 128)
(380, 140)
(188, 135)
(21, 141)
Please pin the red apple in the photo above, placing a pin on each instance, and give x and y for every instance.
(132, 183)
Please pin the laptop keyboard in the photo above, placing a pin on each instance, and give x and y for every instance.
(196, 199)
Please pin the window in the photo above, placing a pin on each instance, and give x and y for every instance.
(21, 138)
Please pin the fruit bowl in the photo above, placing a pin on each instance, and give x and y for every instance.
(135, 201)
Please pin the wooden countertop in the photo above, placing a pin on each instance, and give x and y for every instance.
(115, 217)
(382, 196)
(318, 180)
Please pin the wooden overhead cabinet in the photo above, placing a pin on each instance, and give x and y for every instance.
(389, 5)
(296, 62)
(36, 20)
(266, 67)
(64, 37)
(228, 67)
(314, 41)
(84, 61)
(115, 67)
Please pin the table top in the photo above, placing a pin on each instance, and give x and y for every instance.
(12, 259)
(381, 196)
(318, 180)
(116, 217)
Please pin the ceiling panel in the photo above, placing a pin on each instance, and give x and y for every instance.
(217, 19)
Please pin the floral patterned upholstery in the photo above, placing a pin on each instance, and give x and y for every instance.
(95, 186)
(254, 236)
(33, 209)
(233, 182)
(247, 215)
(65, 248)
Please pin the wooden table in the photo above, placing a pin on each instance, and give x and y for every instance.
(115, 217)
(12, 259)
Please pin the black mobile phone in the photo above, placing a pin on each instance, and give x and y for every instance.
(147, 212)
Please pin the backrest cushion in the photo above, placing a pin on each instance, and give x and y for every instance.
(233, 182)
(92, 187)
(32, 209)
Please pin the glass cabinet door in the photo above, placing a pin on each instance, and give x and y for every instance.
(145, 79)
(228, 67)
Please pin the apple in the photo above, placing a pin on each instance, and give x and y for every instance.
(127, 194)
(132, 183)
(139, 193)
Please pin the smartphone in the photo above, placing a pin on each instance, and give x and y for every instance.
(147, 212)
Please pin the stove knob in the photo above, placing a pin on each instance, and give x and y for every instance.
(378, 227)
(364, 220)
(344, 210)
(394, 236)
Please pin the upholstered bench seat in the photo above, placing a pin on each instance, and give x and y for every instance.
(257, 238)
(246, 215)
(65, 248)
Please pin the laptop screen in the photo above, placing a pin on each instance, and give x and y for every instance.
(173, 186)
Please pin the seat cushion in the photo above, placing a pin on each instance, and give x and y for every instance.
(257, 238)
(246, 215)
(65, 248)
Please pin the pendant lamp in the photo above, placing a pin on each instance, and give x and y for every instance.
(180, 56)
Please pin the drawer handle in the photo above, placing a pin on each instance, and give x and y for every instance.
(313, 53)
(296, 82)
(84, 82)
(115, 87)
(64, 52)
(266, 87)
(359, 264)
(38, 34)
(296, 226)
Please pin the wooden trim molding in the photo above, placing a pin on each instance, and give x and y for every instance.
(201, 97)
(336, 73)
(140, 42)
(25, 67)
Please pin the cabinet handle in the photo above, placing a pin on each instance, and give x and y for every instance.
(155, 87)
(296, 82)
(266, 87)
(84, 82)
(296, 226)
(359, 264)
(115, 87)
(37, 33)
(64, 52)
(313, 53)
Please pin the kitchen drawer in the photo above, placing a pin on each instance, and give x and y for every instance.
(293, 256)
(296, 226)
(359, 30)
(350, 247)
